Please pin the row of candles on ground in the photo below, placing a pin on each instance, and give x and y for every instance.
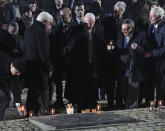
(69, 110)
(152, 105)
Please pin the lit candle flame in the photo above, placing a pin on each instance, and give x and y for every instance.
(93, 110)
(69, 109)
(30, 113)
(52, 111)
(22, 108)
(111, 42)
(19, 109)
(85, 111)
(69, 106)
(98, 109)
(160, 103)
(151, 103)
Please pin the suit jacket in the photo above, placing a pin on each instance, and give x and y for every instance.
(127, 54)
(158, 50)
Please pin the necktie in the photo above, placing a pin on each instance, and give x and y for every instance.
(154, 29)
(125, 42)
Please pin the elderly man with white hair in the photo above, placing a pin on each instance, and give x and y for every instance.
(87, 42)
(35, 63)
(119, 13)
(156, 35)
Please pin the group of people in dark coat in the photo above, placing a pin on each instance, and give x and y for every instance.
(88, 47)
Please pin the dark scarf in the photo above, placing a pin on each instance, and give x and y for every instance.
(27, 20)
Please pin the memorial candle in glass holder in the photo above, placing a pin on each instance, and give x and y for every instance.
(21, 110)
(110, 45)
(31, 114)
(98, 109)
(52, 111)
(152, 104)
(160, 103)
(85, 111)
(69, 109)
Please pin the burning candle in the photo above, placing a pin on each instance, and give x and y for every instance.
(160, 103)
(69, 109)
(111, 42)
(21, 110)
(30, 113)
(98, 109)
(152, 104)
(93, 110)
(52, 111)
(85, 111)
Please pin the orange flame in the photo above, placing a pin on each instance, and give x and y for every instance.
(52, 111)
(151, 103)
(160, 102)
(31, 114)
(85, 111)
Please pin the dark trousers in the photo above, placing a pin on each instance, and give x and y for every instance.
(15, 89)
(160, 85)
(110, 91)
(38, 91)
(4, 96)
(59, 76)
(122, 91)
(3, 102)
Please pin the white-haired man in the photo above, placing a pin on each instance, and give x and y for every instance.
(36, 61)
(156, 35)
(84, 63)
(119, 12)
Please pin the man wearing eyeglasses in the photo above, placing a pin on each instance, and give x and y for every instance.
(131, 47)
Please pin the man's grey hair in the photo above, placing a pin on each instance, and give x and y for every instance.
(44, 16)
(157, 11)
(120, 5)
(129, 22)
(90, 16)
(66, 9)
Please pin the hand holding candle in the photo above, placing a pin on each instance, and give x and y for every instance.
(110, 45)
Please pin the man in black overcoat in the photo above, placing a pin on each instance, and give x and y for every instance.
(36, 60)
(86, 44)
